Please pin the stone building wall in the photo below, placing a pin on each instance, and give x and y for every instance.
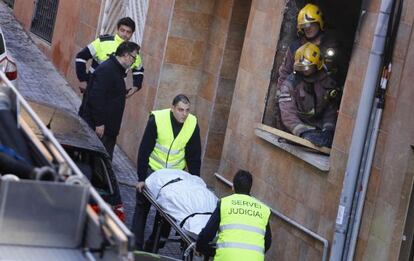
(188, 47)
(299, 190)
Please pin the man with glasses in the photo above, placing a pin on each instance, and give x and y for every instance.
(100, 49)
(104, 99)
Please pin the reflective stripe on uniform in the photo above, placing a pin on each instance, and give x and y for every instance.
(285, 99)
(328, 125)
(92, 50)
(243, 227)
(137, 73)
(169, 165)
(284, 95)
(80, 60)
(240, 246)
(166, 150)
(300, 127)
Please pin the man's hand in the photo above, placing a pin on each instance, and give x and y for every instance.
(99, 130)
(82, 87)
(131, 91)
(140, 186)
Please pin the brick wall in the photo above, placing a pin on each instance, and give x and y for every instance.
(219, 88)
(299, 190)
(153, 54)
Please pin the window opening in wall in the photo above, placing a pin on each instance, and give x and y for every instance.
(309, 71)
(44, 18)
(2, 48)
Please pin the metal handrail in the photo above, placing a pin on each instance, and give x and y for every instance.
(104, 207)
(324, 241)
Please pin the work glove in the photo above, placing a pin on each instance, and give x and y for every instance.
(320, 138)
(44, 173)
(327, 136)
(312, 136)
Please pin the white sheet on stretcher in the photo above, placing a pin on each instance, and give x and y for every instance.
(183, 198)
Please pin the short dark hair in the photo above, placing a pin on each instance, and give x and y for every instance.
(127, 21)
(180, 98)
(126, 48)
(242, 182)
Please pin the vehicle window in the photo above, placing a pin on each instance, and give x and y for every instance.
(94, 168)
(101, 178)
(2, 48)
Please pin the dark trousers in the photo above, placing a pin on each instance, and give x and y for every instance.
(109, 144)
(142, 208)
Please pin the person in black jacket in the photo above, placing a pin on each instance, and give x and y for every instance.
(105, 95)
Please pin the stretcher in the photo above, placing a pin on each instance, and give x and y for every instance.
(184, 202)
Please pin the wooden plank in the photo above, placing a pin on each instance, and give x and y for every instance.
(293, 138)
(51, 154)
(39, 145)
(319, 161)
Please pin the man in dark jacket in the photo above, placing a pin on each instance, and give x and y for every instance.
(171, 140)
(105, 95)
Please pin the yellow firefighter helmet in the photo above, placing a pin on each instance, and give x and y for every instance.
(308, 15)
(308, 57)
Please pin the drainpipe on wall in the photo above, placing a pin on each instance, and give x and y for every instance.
(354, 227)
(393, 26)
(360, 132)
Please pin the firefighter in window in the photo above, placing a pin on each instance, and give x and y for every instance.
(311, 28)
(307, 98)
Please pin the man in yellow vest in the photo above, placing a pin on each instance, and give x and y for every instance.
(99, 51)
(171, 140)
(242, 224)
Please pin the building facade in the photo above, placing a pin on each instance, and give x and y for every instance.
(223, 54)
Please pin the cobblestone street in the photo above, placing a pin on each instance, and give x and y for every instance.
(39, 81)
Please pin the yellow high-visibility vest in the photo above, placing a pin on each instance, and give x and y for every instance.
(243, 221)
(169, 152)
(105, 45)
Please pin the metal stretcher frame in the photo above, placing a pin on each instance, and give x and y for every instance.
(187, 255)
